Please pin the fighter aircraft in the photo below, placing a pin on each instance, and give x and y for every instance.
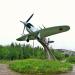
(40, 34)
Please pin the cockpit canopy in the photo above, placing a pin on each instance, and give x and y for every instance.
(29, 25)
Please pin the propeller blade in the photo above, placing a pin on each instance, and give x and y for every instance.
(23, 29)
(23, 22)
(29, 18)
(24, 26)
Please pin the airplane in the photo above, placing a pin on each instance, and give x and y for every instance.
(40, 34)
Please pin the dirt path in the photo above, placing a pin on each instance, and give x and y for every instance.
(4, 70)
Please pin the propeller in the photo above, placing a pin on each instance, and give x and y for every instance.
(25, 23)
(24, 26)
(30, 17)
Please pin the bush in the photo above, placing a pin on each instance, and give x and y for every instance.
(71, 59)
(59, 55)
(39, 66)
(17, 51)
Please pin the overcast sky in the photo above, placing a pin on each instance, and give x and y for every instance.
(47, 12)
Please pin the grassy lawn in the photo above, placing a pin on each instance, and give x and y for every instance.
(32, 66)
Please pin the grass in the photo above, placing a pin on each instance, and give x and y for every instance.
(5, 61)
(32, 66)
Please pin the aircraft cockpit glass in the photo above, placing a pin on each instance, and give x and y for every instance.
(29, 25)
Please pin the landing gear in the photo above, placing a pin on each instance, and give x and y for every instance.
(27, 40)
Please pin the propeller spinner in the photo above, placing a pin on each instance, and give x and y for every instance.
(25, 23)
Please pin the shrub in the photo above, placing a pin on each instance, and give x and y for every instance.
(59, 55)
(71, 59)
(39, 66)
(17, 51)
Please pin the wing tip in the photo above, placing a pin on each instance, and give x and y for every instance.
(18, 39)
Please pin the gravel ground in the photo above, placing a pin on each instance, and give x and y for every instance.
(4, 70)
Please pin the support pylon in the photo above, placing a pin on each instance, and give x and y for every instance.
(49, 53)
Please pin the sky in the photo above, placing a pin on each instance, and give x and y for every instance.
(46, 12)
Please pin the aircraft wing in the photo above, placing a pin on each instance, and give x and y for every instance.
(44, 32)
(53, 30)
(30, 36)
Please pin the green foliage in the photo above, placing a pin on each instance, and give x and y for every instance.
(39, 53)
(71, 59)
(59, 55)
(39, 66)
(17, 51)
(3, 53)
